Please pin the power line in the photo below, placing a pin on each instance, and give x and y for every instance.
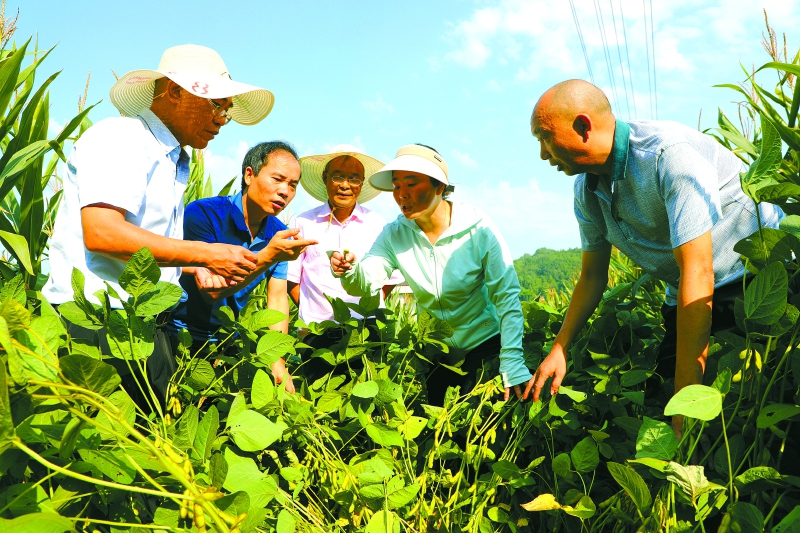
(601, 26)
(647, 47)
(653, 47)
(628, 56)
(619, 55)
(580, 37)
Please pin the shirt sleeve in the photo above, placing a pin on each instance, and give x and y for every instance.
(689, 185)
(592, 238)
(503, 288)
(197, 225)
(294, 270)
(113, 165)
(373, 271)
(279, 272)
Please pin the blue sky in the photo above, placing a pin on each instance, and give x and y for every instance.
(461, 76)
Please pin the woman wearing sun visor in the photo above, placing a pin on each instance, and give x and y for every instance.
(456, 263)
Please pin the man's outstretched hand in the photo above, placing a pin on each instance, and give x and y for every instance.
(285, 246)
(554, 366)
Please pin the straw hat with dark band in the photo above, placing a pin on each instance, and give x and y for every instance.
(412, 158)
(198, 70)
(312, 167)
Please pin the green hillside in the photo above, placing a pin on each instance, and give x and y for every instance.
(547, 268)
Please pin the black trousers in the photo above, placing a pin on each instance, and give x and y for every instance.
(160, 366)
(315, 367)
(440, 378)
(722, 319)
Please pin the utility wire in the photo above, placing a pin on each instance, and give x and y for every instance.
(653, 47)
(619, 55)
(580, 38)
(647, 47)
(598, 14)
(628, 56)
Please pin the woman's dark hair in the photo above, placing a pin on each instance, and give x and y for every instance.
(449, 189)
(258, 156)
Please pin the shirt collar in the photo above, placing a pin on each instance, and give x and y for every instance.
(619, 155)
(238, 212)
(160, 131)
(324, 211)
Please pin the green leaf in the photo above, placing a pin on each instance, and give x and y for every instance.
(89, 373)
(690, 479)
(584, 509)
(383, 522)
(634, 486)
(384, 435)
(574, 395)
(543, 502)
(388, 392)
(111, 463)
(765, 297)
(695, 401)
(163, 297)
(141, 273)
(18, 245)
(506, 469)
(767, 245)
(632, 378)
(584, 455)
(747, 517)
(273, 345)
(758, 479)
(263, 319)
(186, 430)
(398, 494)
(127, 409)
(790, 522)
(769, 156)
(217, 470)
(656, 440)
(243, 474)
(286, 522)
(17, 163)
(206, 433)
(37, 523)
(6, 420)
(562, 466)
(200, 374)
(263, 390)
(366, 389)
(772, 414)
(16, 315)
(252, 432)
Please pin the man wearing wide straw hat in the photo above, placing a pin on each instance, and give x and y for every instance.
(123, 189)
(338, 179)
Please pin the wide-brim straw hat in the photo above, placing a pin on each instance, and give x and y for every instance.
(412, 158)
(312, 167)
(200, 71)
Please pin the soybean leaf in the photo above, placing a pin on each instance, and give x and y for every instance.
(6, 421)
(584, 455)
(765, 297)
(206, 433)
(263, 390)
(655, 440)
(543, 502)
(243, 474)
(384, 435)
(388, 391)
(758, 479)
(252, 432)
(127, 409)
(273, 345)
(366, 389)
(412, 427)
(506, 469)
(695, 401)
(90, 373)
(286, 522)
(262, 319)
(789, 522)
(200, 374)
(141, 273)
(111, 463)
(772, 414)
(186, 429)
(690, 479)
(217, 470)
(383, 522)
(574, 395)
(584, 509)
(562, 466)
(634, 486)
(747, 517)
(737, 448)
(164, 296)
(37, 523)
(634, 377)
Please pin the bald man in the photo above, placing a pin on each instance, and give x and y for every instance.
(666, 196)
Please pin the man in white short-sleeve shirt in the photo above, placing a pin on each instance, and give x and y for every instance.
(125, 179)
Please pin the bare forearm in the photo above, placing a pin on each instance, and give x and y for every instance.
(587, 294)
(694, 326)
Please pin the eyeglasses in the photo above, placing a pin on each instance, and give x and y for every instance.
(218, 112)
(352, 180)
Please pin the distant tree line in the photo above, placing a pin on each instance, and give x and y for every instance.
(547, 268)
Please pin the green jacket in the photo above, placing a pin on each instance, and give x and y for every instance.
(466, 279)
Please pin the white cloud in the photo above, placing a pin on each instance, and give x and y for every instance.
(378, 106)
(464, 159)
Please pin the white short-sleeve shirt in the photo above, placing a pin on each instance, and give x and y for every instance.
(130, 163)
(312, 270)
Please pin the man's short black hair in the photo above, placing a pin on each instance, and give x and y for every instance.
(258, 156)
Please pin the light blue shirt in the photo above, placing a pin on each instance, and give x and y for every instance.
(130, 163)
(669, 185)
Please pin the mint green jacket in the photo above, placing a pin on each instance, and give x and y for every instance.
(466, 279)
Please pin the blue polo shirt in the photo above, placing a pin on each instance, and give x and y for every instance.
(220, 220)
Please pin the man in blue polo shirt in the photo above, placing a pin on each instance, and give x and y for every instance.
(668, 197)
(270, 175)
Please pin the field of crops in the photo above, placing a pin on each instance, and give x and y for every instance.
(359, 449)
